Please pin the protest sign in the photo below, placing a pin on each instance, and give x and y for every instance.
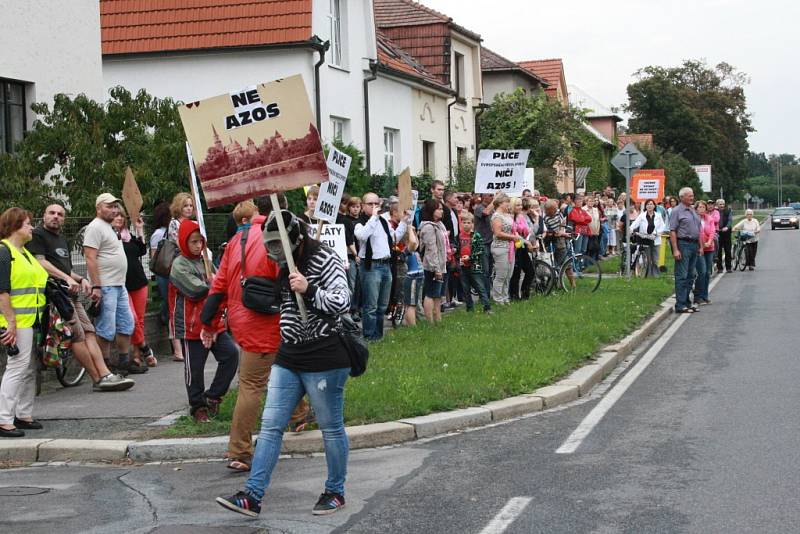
(648, 185)
(704, 174)
(414, 199)
(198, 209)
(259, 140)
(330, 192)
(529, 180)
(131, 196)
(501, 171)
(333, 236)
(404, 190)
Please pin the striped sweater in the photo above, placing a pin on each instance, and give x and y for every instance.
(327, 297)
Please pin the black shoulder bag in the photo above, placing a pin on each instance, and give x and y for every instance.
(355, 345)
(260, 294)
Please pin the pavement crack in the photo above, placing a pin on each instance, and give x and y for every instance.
(150, 505)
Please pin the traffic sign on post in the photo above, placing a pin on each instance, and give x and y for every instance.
(628, 160)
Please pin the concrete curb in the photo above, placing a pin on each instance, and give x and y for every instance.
(578, 384)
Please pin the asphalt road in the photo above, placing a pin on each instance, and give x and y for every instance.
(704, 441)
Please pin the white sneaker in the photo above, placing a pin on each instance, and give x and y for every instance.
(112, 382)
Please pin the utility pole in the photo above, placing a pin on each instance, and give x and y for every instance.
(780, 182)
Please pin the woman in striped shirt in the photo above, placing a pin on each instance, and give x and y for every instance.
(311, 360)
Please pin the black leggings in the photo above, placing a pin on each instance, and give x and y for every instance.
(522, 264)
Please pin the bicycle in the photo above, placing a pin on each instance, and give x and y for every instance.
(578, 273)
(640, 257)
(544, 274)
(739, 257)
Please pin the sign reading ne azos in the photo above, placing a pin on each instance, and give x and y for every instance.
(330, 192)
(501, 171)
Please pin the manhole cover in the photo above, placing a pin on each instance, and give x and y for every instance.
(22, 491)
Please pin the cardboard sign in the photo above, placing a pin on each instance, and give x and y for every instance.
(501, 171)
(131, 196)
(330, 192)
(333, 236)
(648, 185)
(259, 140)
(704, 174)
(404, 190)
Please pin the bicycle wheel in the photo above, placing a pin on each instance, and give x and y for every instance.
(586, 280)
(544, 277)
(70, 373)
(641, 264)
(740, 259)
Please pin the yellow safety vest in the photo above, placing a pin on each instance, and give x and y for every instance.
(28, 280)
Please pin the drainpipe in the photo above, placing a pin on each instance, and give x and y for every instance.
(320, 47)
(481, 108)
(373, 69)
(450, 140)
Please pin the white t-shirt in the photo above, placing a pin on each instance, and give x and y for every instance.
(157, 236)
(112, 264)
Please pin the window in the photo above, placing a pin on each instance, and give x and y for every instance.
(461, 155)
(458, 74)
(340, 129)
(12, 114)
(337, 34)
(391, 149)
(428, 166)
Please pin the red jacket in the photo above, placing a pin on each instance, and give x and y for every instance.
(581, 219)
(253, 331)
(188, 290)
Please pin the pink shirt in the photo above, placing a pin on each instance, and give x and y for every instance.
(708, 231)
(715, 217)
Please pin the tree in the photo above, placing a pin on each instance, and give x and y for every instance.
(678, 170)
(533, 121)
(591, 152)
(697, 112)
(80, 148)
(758, 164)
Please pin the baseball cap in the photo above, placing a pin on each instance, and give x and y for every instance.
(105, 198)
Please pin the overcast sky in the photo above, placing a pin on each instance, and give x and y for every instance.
(603, 43)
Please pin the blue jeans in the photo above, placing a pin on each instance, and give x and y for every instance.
(325, 390)
(705, 264)
(685, 273)
(115, 314)
(163, 291)
(470, 279)
(604, 239)
(581, 243)
(376, 286)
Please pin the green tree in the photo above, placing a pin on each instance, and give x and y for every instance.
(80, 148)
(758, 164)
(533, 121)
(697, 112)
(678, 170)
(592, 153)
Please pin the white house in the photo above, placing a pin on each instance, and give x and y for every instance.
(46, 50)
(216, 47)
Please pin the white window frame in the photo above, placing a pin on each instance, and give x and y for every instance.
(339, 129)
(338, 55)
(429, 153)
(391, 150)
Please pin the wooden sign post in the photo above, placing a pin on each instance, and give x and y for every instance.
(287, 250)
(131, 196)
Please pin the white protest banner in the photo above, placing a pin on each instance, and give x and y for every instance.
(414, 199)
(704, 173)
(501, 171)
(330, 192)
(333, 236)
(529, 180)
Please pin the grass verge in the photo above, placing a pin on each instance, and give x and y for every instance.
(471, 359)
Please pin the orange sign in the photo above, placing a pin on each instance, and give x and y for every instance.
(648, 184)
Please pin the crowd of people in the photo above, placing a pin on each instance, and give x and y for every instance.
(241, 307)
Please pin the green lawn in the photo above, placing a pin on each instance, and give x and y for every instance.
(471, 359)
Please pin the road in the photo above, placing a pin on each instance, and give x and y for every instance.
(703, 441)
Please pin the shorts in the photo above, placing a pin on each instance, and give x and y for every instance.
(80, 323)
(115, 314)
(412, 289)
(432, 288)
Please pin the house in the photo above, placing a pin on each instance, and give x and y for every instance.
(600, 118)
(46, 50)
(413, 127)
(451, 54)
(501, 75)
(216, 47)
(552, 72)
(641, 139)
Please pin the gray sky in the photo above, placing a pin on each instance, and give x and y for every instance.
(603, 43)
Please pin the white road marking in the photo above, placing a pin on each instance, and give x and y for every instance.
(510, 512)
(168, 419)
(594, 417)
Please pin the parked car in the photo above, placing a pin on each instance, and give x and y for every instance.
(784, 217)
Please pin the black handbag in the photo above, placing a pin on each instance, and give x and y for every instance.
(161, 264)
(57, 294)
(260, 294)
(355, 344)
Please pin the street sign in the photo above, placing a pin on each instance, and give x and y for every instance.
(622, 162)
(628, 160)
(747, 196)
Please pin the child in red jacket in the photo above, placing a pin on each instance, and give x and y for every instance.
(188, 289)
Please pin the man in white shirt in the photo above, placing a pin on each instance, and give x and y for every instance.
(107, 267)
(376, 240)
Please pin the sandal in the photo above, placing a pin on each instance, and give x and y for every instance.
(238, 465)
(151, 361)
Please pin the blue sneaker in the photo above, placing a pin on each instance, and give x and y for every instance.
(242, 502)
(328, 503)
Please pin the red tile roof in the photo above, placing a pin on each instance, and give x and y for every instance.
(137, 26)
(644, 139)
(552, 70)
(406, 13)
(393, 58)
(492, 61)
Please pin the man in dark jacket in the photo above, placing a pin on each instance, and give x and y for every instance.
(725, 227)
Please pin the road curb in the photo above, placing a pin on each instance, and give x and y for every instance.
(578, 383)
